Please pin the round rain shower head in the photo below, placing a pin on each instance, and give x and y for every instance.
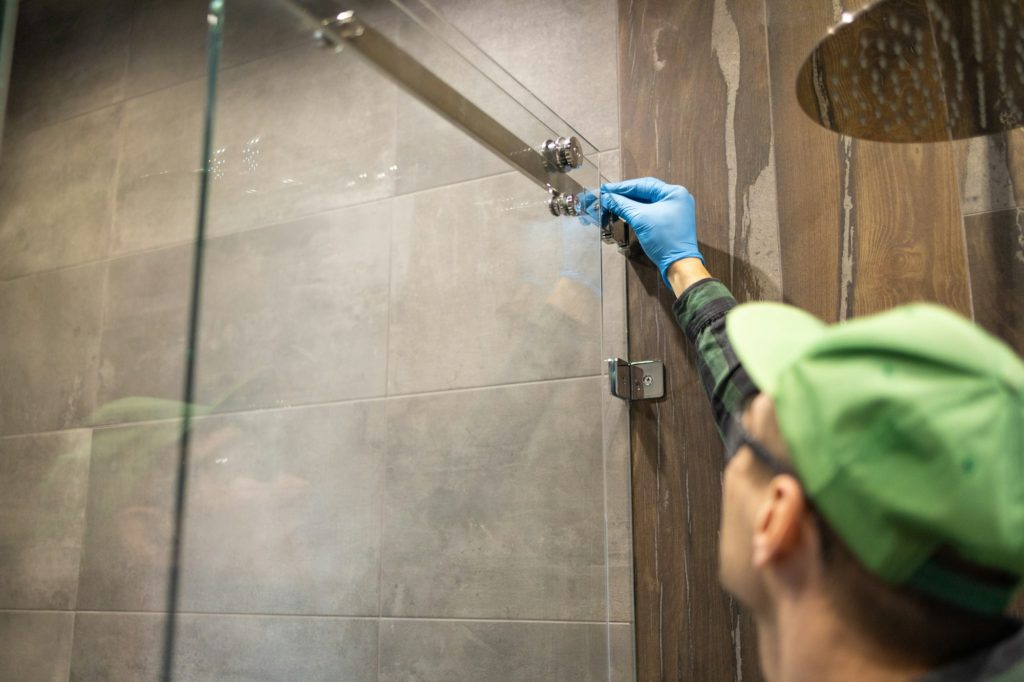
(919, 71)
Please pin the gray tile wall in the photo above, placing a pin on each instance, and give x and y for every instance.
(404, 466)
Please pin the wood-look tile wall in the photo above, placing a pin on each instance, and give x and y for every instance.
(786, 211)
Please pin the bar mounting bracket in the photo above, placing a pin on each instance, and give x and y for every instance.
(643, 380)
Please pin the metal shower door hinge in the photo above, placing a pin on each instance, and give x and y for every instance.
(644, 380)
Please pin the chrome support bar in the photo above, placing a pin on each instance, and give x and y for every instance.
(348, 29)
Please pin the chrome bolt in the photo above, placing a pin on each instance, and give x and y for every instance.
(563, 154)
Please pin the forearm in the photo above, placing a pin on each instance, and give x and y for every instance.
(685, 273)
(701, 311)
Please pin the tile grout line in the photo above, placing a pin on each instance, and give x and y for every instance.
(383, 470)
(316, 616)
(71, 644)
(150, 250)
(306, 406)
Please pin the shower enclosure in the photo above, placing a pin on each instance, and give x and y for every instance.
(351, 415)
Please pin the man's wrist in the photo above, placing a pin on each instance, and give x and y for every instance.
(684, 273)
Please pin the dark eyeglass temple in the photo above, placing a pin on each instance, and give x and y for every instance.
(738, 436)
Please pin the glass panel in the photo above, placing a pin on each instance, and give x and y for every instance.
(8, 17)
(402, 458)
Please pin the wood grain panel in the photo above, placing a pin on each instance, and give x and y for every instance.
(995, 244)
(816, 181)
(910, 244)
(695, 110)
(786, 208)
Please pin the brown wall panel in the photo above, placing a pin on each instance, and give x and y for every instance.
(816, 179)
(785, 209)
(695, 111)
(910, 239)
(995, 244)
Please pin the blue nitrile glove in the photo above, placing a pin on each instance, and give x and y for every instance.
(662, 217)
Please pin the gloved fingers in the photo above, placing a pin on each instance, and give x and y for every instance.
(619, 205)
(639, 189)
(590, 209)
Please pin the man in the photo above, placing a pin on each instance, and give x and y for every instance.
(873, 511)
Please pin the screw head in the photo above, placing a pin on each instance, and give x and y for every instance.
(648, 380)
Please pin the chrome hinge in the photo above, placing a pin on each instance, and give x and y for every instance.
(643, 380)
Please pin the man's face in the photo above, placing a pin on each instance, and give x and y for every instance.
(744, 488)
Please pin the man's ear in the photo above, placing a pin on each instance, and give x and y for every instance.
(778, 525)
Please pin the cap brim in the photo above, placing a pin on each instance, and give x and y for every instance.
(769, 337)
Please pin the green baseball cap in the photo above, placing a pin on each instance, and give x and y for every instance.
(906, 429)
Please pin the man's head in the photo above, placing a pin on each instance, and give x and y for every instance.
(879, 471)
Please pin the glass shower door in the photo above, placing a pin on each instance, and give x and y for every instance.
(8, 16)
(402, 460)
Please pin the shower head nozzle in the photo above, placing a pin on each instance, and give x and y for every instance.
(919, 71)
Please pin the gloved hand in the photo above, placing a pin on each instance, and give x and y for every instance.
(662, 217)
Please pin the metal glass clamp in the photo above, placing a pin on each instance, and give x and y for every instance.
(563, 154)
(644, 380)
(615, 231)
(562, 204)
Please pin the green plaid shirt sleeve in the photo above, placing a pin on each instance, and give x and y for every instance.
(701, 312)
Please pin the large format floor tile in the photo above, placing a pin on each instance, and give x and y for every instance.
(296, 313)
(55, 196)
(158, 183)
(169, 39)
(129, 518)
(35, 646)
(469, 651)
(493, 504)
(620, 639)
(295, 133)
(431, 152)
(299, 132)
(144, 335)
(576, 78)
(488, 288)
(618, 507)
(42, 516)
(291, 314)
(70, 58)
(129, 648)
(49, 349)
(284, 512)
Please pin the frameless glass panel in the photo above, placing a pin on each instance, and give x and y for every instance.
(8, 16)
(403, 459)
